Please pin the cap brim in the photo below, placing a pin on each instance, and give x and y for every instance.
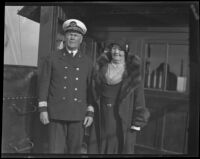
(75, 29)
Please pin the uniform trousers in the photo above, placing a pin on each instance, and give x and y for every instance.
(66, 136)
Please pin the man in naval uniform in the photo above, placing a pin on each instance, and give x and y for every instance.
(65, 100)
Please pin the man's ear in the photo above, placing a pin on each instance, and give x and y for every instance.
(81, 40)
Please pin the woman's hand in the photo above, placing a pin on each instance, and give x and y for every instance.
(137, 128)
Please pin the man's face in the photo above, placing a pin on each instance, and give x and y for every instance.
(73, 40)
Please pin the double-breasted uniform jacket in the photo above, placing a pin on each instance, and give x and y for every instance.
(131, 104)
(65, 83)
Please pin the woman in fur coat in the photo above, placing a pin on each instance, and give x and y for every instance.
(120, 110)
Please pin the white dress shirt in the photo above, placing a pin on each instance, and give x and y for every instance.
(74, 52)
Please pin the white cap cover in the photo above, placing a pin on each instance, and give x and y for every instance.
(74, 25)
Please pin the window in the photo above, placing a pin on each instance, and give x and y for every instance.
(166, 65)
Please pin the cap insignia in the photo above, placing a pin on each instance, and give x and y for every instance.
(73, 24)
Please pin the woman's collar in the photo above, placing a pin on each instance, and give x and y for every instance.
(115, 64)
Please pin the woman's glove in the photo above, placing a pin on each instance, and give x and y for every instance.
(141, 117)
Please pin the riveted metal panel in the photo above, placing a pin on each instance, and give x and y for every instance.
(19, 108)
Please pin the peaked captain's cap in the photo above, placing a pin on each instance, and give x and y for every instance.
(74, 25)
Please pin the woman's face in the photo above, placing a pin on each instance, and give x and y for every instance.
(117, 53)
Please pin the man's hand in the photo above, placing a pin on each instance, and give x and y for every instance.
(88, 121)
(44, 118)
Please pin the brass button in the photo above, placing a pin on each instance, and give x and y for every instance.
(65, 67)
(75, 99)
(76, 89)
(109, 105)
(65, 77)
(77, 69)
(65, 87)
(77, 78)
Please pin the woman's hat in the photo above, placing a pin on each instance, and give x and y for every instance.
(121, 43)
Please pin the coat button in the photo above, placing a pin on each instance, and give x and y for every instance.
(109, 105)
(77, 69)
(65, 87)
(77, 78)
(65, 77)
(76, 89)
(75, 99)
(65, 67)
(63, 98)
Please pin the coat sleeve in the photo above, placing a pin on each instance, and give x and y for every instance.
(90, 97)
(44, 78)
(140, 113)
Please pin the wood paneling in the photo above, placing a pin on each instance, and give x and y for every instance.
(175, 131)
(47, 32)
(167, 129)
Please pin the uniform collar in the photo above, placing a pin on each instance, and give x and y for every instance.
(74, 52)
(64, 52)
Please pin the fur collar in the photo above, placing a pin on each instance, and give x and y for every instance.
(131, 78)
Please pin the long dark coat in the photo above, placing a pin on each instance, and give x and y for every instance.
(131, 103)
(65, 83)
